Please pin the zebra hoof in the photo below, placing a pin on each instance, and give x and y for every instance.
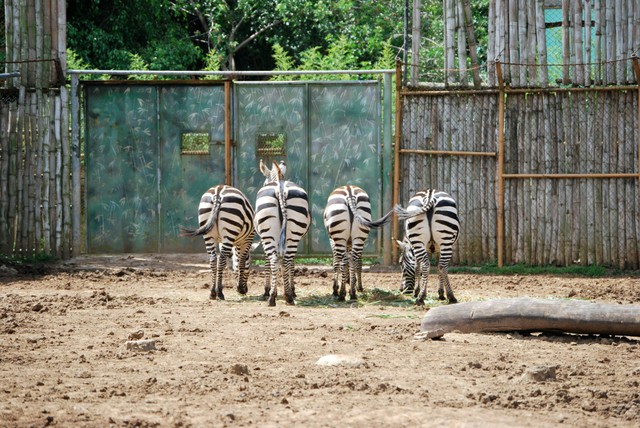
(419, 302)
(242, 290)
(272, 301)
(452, 300)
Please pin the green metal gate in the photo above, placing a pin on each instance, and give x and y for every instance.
(328, 133)
(152, 149)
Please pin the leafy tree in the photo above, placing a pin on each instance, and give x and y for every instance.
(106, 33)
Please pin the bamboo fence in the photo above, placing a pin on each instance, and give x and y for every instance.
(35, 186)
(542, 176)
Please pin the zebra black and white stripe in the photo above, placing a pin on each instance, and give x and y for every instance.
(225, 218)
(347, 218)
(282, 219)
(431, 226)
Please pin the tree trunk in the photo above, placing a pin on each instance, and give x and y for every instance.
(535, 315)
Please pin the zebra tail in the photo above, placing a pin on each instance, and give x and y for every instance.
(205, 228)
(283, 209)
(403, 214)
(376, 224)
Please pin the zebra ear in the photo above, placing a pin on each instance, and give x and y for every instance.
(264, 169)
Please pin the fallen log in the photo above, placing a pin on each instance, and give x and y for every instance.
(532, 315)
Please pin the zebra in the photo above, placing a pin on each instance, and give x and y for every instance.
(225, 216)
(347, 219)
(431, 226)
(282, 219)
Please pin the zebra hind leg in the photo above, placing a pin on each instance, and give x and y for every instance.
(443, 277)
(424, 271)
(336, 263)
(273, 291)
(243, 269)
(288, 274)
(225, 253)
(213, 264)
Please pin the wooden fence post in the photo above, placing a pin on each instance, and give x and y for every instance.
(500, 172)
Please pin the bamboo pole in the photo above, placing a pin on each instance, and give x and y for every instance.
(473, 45)
(449, 42)
(415, 43)
(67, 197)
(566, 57)
(500, 222)
(46, 179)
(541, 36)
(587, 43)
(76, 182)
(462, 47)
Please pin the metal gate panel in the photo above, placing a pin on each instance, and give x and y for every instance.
(345, 149)
(121, 168)
(187, 172)
(142, 183)
(331, 135)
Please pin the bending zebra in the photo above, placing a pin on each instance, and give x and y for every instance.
(225, 217)
(347, 218)
(431, 226)
(282, 219)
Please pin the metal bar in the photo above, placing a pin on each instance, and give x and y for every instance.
(447, 152)
(229, 74)
(227, 132)
(396, 158)
(598, 175)
(500, 172)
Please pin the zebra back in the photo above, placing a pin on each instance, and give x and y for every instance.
(441, 214)
(224, 208)
(282, 209)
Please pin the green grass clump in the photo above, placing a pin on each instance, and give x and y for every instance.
(591, 271)
(17, 260)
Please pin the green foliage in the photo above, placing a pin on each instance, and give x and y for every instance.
(220, 35)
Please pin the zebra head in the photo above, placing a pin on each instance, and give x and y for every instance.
(276, 173)
(407, 266)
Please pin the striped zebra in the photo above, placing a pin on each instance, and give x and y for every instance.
(431, 226)
(282, 219)
(347, 218)
(225, 217)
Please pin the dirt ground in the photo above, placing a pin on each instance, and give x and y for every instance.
(134, 341)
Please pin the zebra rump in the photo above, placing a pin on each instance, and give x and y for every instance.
(431, 226)
(282, 219)
(225, 219)
(347, 219)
